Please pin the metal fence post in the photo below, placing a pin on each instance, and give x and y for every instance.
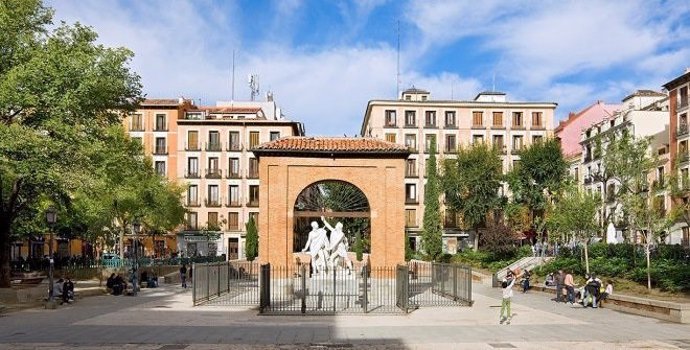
(335, 294)
(303, 274)
(455, 282)
(193, 285)
(365, 280)
(208, 281)
(218, 277)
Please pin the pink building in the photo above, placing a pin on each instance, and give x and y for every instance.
(569, 131)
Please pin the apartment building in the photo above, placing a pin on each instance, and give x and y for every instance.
(642, 114)
(209, 150)
(415, 120)
(679, 138)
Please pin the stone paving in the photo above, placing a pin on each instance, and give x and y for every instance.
(163, 318)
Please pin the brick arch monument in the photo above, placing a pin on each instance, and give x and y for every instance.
(289, 165)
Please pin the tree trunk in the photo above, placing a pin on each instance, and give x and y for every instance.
(586, 257)
(476, 239)
(5, 270)
(649, 275)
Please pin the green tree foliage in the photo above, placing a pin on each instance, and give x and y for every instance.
(359, 246)
(58, 91)
(539, 176)
(573, 217)
(252, 240)
(409, 254)
(471, 184)
(432, 241)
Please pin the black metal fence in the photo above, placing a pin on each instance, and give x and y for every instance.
(295, 290)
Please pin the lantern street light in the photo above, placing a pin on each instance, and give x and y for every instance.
(136, 227)
(51, 218)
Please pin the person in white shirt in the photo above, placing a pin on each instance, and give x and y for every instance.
(507, 285)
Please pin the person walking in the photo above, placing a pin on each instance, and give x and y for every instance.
(569, 287)
(183, 275)
(507, 290)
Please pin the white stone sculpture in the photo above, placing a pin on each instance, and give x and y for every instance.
(317, 244)
(338, 246)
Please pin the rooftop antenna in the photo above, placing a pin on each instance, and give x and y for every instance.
(397, 76)
(254, 85)
(233, 76)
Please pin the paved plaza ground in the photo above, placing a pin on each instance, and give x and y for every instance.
(163, 318)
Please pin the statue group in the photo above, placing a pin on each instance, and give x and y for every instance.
(326, 253)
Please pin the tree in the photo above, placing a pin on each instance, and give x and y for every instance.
(359, 246)
(471, 185)
(573, 215)
(58, 91)
(252, 240)
(539, 176)
(432, 240)
(409, 254)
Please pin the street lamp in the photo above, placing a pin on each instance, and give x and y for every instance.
(51, 218)
(136, 227)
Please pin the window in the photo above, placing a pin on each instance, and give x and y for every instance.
(660, 175)
(576, 174)
(498, 119)
(411, 168)
(451, 146)
(193, 195)
(517, 119)
(450, 219)
(160, 168)
(213, 163)
(160, 122)
(233, 168)
(253, 168)
(537, 138)
(234, 141)
(428, 142)
(390, 137)
(213, 141)
(233, 221)
(411, 142)
(213, 198)
(212, 222)
(253, 196)
(234, 195)
(253, 139)
(517, 143)
(137, 122)
(254, 216)
(411, 193)
(390, 118)
(274, 135)
(430, 119)
(683, 100)
(685, 241)
(411, 217)
(192, 140)
(536, 119)
(192, 221)
(498, 142)
(450, 119)
(477, 119)
(410, 118)
(160, 146)
(684, 180)
(193, 167)
(408, 97)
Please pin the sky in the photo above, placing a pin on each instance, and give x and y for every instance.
(324, 60)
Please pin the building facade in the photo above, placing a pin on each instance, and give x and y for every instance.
(416, 120)
(208, 149)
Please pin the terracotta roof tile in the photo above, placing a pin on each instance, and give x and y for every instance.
(333, 145)
(160, 102)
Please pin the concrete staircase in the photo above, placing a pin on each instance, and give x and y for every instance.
(527, 263)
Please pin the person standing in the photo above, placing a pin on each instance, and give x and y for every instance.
(560, 280)
(190, 274)
(507, 291)
(183, 275)
(569, 287)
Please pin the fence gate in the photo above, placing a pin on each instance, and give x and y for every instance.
(226, 283)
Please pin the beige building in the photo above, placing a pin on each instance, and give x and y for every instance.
(414, 121)
(209, 150)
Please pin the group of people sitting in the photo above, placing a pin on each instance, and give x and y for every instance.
(64, 289)
(592, 293)
(116, 284)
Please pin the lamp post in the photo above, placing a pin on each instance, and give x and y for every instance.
(136, 227)
(51, 218)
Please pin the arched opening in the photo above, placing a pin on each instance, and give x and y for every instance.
(336, 201)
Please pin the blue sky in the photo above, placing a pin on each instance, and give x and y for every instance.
(324, 60)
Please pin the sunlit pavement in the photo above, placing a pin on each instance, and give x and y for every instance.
(163, 318)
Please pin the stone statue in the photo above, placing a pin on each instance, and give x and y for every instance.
(338, 246)
(317, 243)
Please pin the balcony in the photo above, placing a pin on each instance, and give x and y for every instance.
(192, 174)
(233, 203)
(588, 158)
(253, 174)
(682, 104)
(588, 180)
(478, 126)
(253, 202)
(213, 147)
(192, 147)
(161, 128)
(212, 203)
(515, 150)
(683, 157)
(412, 149)
(138, 127)
(411, 201)
(682, 129)
(214, 173)
(193, 203)
(231, 174)
(411, 174)
(160, 151)
(234, 147)
(610, 197)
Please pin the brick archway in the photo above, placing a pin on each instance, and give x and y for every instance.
(289, 165)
